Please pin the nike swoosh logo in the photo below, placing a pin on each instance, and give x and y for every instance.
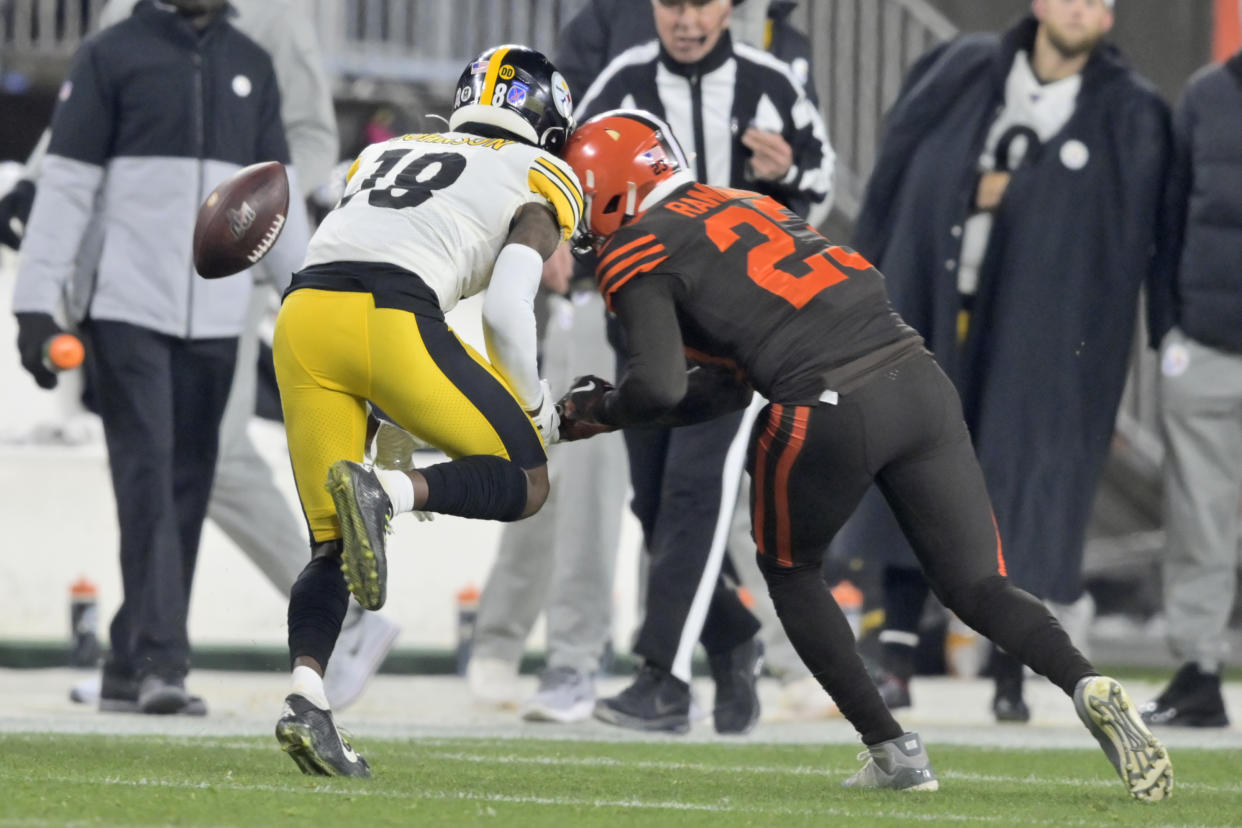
(347, 750)
(589, 386)
(664, 707)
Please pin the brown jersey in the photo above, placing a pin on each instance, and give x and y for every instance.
(755, 285)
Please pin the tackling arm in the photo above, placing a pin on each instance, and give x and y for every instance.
(509, 305)
(658, 386)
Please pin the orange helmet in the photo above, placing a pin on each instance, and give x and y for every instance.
(619, 157)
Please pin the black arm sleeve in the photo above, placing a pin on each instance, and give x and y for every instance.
(654, 380)
(657, 388)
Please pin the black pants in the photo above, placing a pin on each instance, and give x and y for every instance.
(161, 400)
(903, 430)
(681, 484)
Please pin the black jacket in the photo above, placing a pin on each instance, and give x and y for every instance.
(1042, 371)
(1202, 292)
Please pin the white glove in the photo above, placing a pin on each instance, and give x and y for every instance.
(546, 417)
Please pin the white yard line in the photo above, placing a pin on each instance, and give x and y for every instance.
(721, 807)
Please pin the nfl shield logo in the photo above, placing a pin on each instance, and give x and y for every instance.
(517, 94)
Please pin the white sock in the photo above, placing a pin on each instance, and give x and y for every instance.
(309, 684)
(399, 487)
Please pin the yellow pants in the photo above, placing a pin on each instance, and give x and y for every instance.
(334, 351)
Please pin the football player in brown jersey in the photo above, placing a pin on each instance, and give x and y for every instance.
(749, 291)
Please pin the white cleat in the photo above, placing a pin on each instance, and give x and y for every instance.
(1140, 759)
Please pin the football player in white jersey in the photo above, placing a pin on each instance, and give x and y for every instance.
(425, 220)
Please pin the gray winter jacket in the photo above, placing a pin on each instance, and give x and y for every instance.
(152, 117)
(1202, 286)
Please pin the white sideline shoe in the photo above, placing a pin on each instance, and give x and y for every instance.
(564, 695)
(493, 682)
(361, 648)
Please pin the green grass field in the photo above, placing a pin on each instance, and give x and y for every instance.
(143, 780)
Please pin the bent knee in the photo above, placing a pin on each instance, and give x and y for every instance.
(537, 489)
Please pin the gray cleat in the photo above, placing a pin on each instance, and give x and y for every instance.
(899, 764)
(365, 513)
(1140, 759)
(311, 738)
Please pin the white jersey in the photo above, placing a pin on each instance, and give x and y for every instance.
(1033, 113)
(440, 205)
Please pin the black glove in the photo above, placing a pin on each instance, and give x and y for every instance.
(33, 331)
(579, 408)
(16, 204)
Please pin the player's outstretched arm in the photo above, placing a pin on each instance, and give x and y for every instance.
(509, 310)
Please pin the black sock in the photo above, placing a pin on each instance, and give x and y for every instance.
(317, 605)
(822, 637)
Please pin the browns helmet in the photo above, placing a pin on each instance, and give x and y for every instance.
(517, 90)
(620, 156)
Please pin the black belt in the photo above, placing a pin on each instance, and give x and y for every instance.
(392, 286)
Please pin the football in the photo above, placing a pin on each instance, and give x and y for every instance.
(241, 220)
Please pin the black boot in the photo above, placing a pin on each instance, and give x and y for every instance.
(1007, 704)
(1192, 699)
(736, 672)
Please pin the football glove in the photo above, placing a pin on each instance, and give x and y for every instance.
(580, 408)
(15, 210)
(546, 417)
(34, 330)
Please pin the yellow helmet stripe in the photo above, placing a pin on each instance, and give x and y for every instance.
(493, 69)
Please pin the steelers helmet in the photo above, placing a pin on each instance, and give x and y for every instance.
(518, 90)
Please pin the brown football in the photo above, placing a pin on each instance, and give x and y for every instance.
(241, 220)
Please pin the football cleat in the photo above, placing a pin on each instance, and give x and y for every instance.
(365, 513)
(1140, 759)
(899, 764)
(311, 738)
